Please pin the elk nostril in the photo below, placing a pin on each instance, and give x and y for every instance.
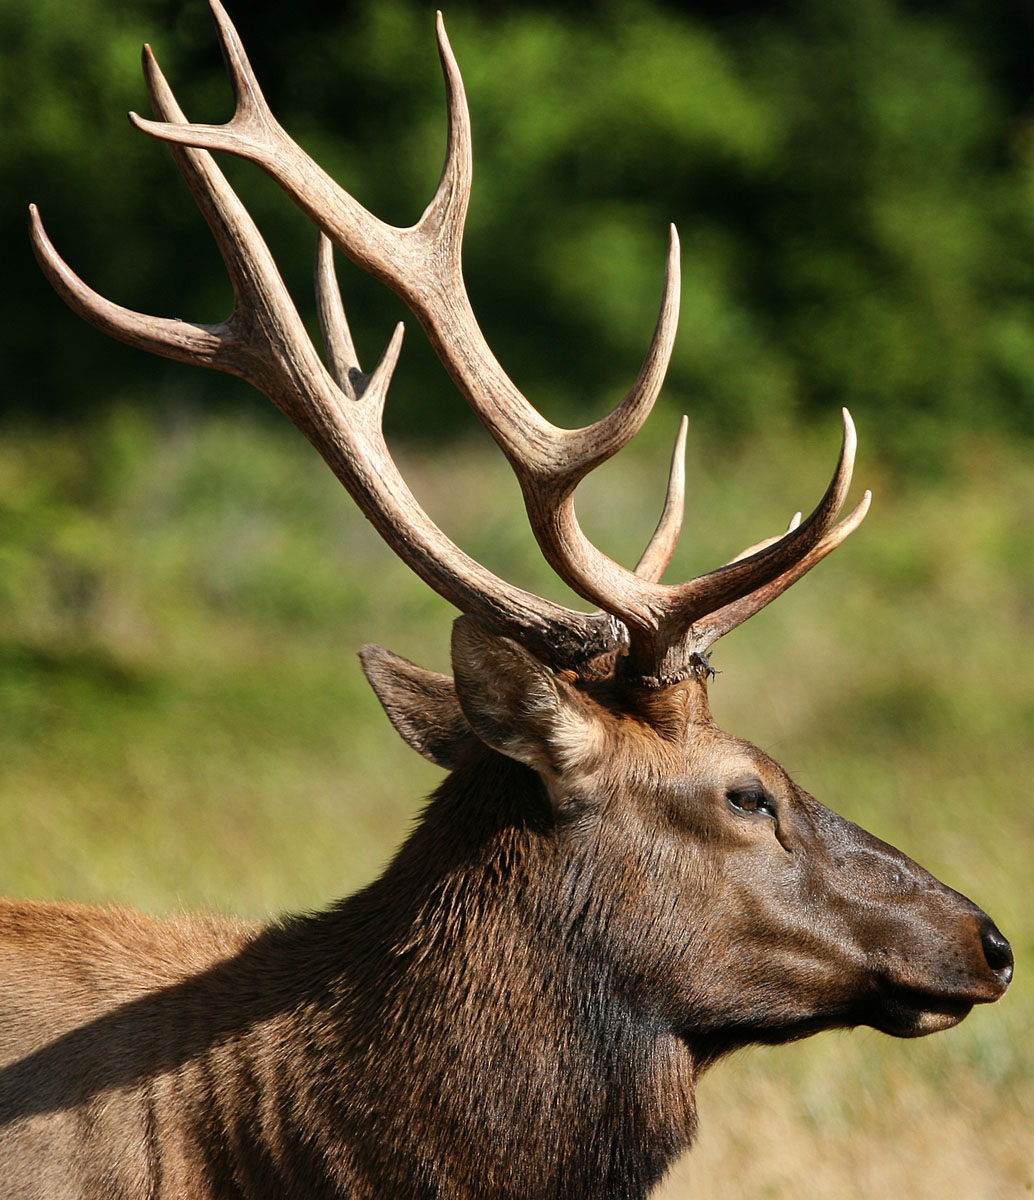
(997, 951)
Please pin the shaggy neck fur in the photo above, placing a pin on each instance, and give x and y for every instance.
(462, 1021)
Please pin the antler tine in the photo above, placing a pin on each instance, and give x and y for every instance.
(212, 345)
(726, 618)
(422, 264)
(570, 454)
(657, 555)
(662, 651)
(160, 335)
(795, 520)
(251, 270)
(251, 106)
(337, 339)
(342, 360)
(444, 217)
(264, 341)
(585, 449)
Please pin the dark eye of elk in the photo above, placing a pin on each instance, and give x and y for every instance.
(752, 801)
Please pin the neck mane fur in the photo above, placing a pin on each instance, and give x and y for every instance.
(473, 1026)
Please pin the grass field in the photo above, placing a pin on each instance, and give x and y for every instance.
(183, 723)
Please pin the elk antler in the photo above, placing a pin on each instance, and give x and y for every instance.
(340, 412)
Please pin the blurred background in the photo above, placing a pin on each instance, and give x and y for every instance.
(183, 585)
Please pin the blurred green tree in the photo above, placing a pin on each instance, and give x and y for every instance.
(853, 185)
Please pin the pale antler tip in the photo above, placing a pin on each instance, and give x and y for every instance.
(377, 389)
(152, 71)
(673, 269)
(324, 253)
(155, 129)
(41, 243)
(36, 230)
(850, 443)
(390, 357)
(37, 234)
(856, 516)
(443, 37)
(674, 251)
(678, 454)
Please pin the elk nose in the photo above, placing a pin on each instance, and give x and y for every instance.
(997, 951)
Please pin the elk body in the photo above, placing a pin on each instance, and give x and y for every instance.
(606, 894)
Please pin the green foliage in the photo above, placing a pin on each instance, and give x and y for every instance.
(852, 184)
(904, 276)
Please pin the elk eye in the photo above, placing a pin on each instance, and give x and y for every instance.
(751, 800)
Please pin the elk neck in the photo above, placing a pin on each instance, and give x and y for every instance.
(463, 1010)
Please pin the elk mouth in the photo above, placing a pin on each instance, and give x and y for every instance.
(908, 1012)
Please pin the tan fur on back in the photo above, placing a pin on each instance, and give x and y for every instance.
(64, 962)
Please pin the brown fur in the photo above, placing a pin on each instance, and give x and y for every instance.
(519, 1007)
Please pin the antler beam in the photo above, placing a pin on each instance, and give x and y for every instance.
(668, 626)
(264, 341)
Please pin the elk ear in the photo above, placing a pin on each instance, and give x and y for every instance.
(421, 704)
(516, 704)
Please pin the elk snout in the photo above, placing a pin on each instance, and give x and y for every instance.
(987, 957)
(932, 939)
(979, 968)
(935, 986)
(997, 952)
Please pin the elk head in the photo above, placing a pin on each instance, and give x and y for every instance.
(713, 895)
(721, 895)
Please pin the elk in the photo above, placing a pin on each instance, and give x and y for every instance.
(606, 894)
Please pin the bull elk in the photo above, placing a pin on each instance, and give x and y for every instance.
(607, 893)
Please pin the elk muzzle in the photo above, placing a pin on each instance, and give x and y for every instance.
(955, 958)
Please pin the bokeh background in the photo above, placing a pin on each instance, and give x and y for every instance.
(183, 585)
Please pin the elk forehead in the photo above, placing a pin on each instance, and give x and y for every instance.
(663, 742)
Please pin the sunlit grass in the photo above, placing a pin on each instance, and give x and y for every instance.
(183, 723)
